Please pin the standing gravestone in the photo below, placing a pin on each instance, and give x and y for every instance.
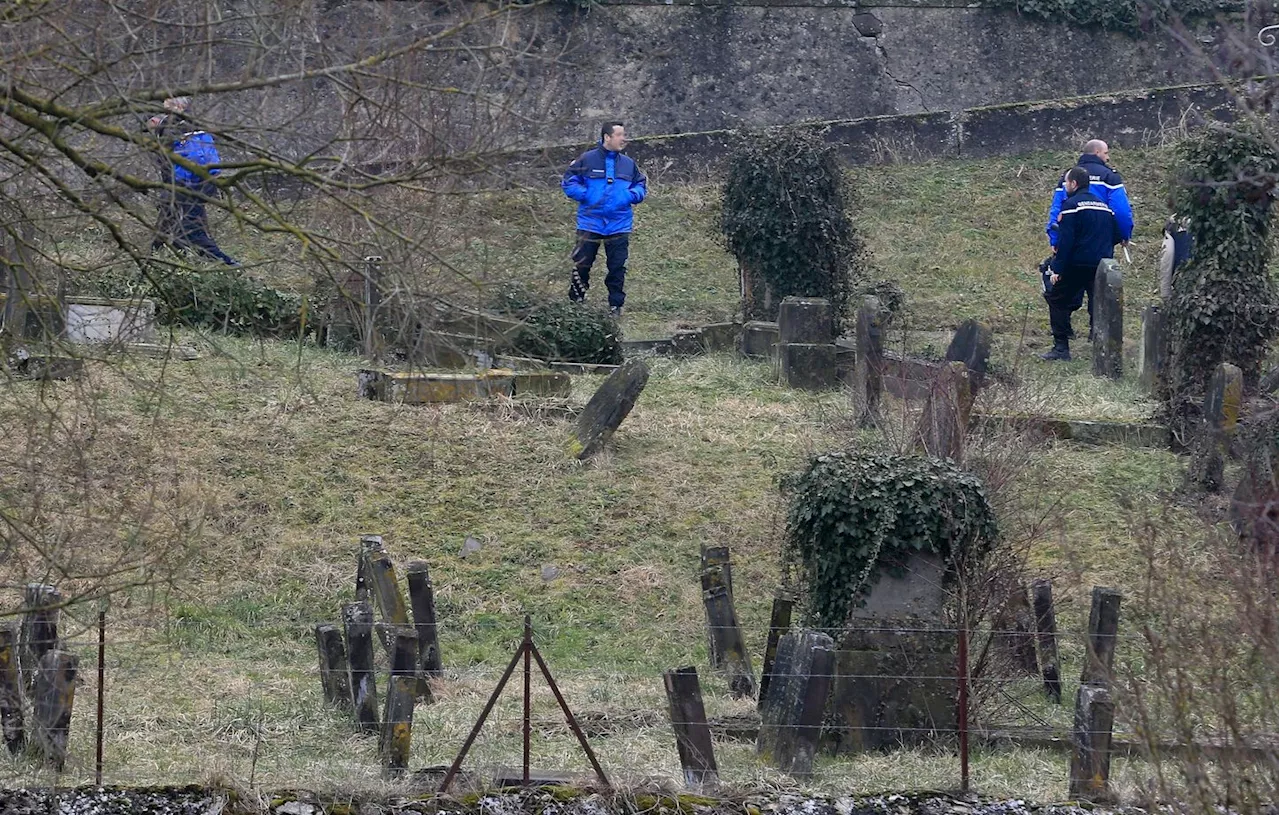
(1108, 320)
(972, 346)
(895, 673)
(607, 408)
(1222, 403)
(1090, 767)
(806, 343)
(945, 419)
(793, 711)
(868, 369)
(1151, 352)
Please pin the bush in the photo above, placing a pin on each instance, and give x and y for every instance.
(853, 516)
(1224, 303)
(784, 216)
(557, 329)
(221, 298)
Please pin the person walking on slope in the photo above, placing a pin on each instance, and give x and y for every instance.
(1108, 186)
(182, 220)
(1088, 231)
(606, 184)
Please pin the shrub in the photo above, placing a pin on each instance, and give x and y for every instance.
(1224, 303)
(853, 516)
(784, 216)
(221, 298)
(557, 329)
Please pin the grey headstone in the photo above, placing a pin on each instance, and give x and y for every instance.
(607, 408)
(1108, 320)
(808, 320)
(971, 345)
(791, 718)
(1222, 403)
(759, 339)
(808, 367)
(1152, 349)
(945, 419)
(720, 336)
(868, 370)
(1091, 742)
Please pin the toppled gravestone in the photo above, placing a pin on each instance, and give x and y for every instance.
(607, 408)
(796, 702)
(945, 419)
(894, 674)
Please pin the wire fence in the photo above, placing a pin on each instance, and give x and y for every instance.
(891, 719)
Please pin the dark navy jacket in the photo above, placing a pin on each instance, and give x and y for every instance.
(1105, 183)
(606, 185)
(1087, 233)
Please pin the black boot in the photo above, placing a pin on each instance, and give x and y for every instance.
(1059, 353)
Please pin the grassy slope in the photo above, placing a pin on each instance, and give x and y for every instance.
(292, 469)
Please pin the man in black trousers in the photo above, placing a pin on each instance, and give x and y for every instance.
(1087, 233)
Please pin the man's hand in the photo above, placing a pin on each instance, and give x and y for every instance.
(1053, 278)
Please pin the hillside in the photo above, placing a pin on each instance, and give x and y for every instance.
(247, 476)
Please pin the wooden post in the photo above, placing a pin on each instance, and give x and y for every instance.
(381, 574)
(334, 677)
(39, 628)
(15, 737)
(1104, 620)
(1091, 737)
(716, 557)
(1047, 638)
(779, 624)
(423, 602)
(689, 720)
(52, 700)
(357, 620)
(727, 636)
(397, 719)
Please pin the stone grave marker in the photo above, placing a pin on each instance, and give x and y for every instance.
(868, 369)
(894, 678)
(607, 408)
(720, 336)
(806, 343)
(971, 345)
(759, 339)
(1108, 320)
(945, 419)
(1222, 403)
(792, 714)
(1151, 351)
(807, 366)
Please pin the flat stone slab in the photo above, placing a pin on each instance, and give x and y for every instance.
(1128, 434)
(759, 339)
(151, 349)
(541, 383)
(607, 408)
(423, 388)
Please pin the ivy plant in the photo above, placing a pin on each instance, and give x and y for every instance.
(854, 516)
(785, 217)
(1224, 304)
(556, 329)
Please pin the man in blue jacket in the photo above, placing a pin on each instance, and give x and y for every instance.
(606, 184)
(1088, 231)
(1105, 183)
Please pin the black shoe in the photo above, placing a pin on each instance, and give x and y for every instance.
(1057, 355)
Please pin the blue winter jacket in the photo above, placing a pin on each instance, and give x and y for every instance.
(606, 185)
(1105, 183)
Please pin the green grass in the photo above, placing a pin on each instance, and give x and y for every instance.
(244, 480)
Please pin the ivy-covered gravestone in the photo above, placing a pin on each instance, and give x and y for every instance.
(876, 539)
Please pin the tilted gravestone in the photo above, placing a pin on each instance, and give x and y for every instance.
(868, 369)
(971, 345)
(607, 408)
(1151, 351)
(1108, 320)
(1222, 403)
(793, 710)
(945, 419)
(894, 676)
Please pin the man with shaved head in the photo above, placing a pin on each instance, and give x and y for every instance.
(1105, 183)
